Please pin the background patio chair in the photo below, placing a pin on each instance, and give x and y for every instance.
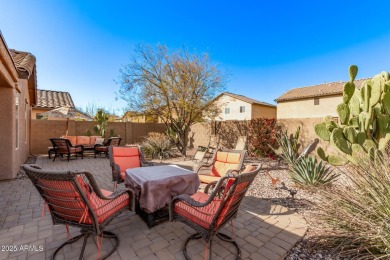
(207, 214)
(205, 153)
(122, 158)
(63, 146)
(75, 199)
(241, 143)
(222, 163)
(103, 148)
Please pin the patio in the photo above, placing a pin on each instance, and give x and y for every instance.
(262, 229)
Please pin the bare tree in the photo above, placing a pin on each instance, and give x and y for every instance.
(178, 86)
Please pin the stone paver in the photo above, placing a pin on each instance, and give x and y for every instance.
(261, 229)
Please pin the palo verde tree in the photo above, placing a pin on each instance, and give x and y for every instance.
(177, 86)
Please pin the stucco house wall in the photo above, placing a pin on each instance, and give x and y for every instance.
(16, 93)
(259, 111)
(252, 108)
(306, 108)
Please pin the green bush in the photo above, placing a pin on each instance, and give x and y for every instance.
(157, 145)
(307, 171)
(358, 213)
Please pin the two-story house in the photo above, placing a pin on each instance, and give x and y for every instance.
(238, 107)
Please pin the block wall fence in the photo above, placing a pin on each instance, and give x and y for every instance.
(42, 130)
(131, 133)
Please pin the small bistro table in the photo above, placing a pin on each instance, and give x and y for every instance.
(155, 186)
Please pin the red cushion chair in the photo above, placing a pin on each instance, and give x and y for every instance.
(207, 214)
(75, 199)
(63, 146)
(123, 158)
(223, 162)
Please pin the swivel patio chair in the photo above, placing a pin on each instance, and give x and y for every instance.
(103, 148)
(207, 214)
(63, 146)
(74, 199)
(123, 158)
(221, 163)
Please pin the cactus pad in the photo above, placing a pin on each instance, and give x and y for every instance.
(336, 160)
(322, 131)
(343, 112)
(349, 90)
(358, 152)
(350, 134)
(386, 102)
(337, 139)
(353, 70)
(361, 138)
(321, 154)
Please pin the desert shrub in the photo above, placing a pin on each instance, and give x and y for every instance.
(157, 145)
(261, 136)
(307, 171)
(288, 146)
(358, 213)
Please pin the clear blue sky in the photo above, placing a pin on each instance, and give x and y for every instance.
(268, 47)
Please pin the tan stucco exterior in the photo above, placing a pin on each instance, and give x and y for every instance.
(305, 108)
(251, 110)
(14, 137)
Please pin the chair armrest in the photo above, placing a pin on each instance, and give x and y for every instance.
(203, 166)
(79, 145)
(116, 173)
(97, 145)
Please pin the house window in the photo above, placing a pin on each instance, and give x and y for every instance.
(242, 109)
(316, 101)
(227, 110)
(17, 119)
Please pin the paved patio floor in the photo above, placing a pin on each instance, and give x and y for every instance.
(262, 229)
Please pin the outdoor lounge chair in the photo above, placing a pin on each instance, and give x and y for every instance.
(103, 148)
(74, 199)
(222, 163)
(241, 143)
(207, 214)
(63, 146)
(122, 158)
(203, 153)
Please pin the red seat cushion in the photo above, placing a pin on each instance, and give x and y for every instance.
(202, 216)
(66, 201)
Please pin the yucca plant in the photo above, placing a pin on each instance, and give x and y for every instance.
(307, 171)
(157, 145)
(288, 146)
(358, 214)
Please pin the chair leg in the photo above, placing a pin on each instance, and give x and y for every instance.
(68, 156)
(221, 236)
(86, 235)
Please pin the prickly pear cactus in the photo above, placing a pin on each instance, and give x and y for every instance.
(364, 115)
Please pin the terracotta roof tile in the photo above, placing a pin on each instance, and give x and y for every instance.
(246, 99)
(54, 99)
(24, 62)
(325, 89)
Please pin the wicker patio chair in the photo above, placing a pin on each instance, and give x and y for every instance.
(221, 163)
(123, 158)
(207, 214)
(63, 146)
(103, 148)
(74, 199)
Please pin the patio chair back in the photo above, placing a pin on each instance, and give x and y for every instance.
(227, 160)
(113, 141)
(122, 158)
(61, 144)
(241, 143)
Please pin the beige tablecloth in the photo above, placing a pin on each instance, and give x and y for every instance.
(155, 186)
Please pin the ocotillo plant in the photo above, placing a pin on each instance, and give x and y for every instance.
(364, 116)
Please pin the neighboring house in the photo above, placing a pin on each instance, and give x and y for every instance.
(307, 106)
(50, 99)
(136, 117)
(18, 86)
(314, 101)
(238, 107)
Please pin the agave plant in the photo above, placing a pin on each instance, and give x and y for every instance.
(307, 171)
(288, 146)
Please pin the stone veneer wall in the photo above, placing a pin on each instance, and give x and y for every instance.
(42, 130)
